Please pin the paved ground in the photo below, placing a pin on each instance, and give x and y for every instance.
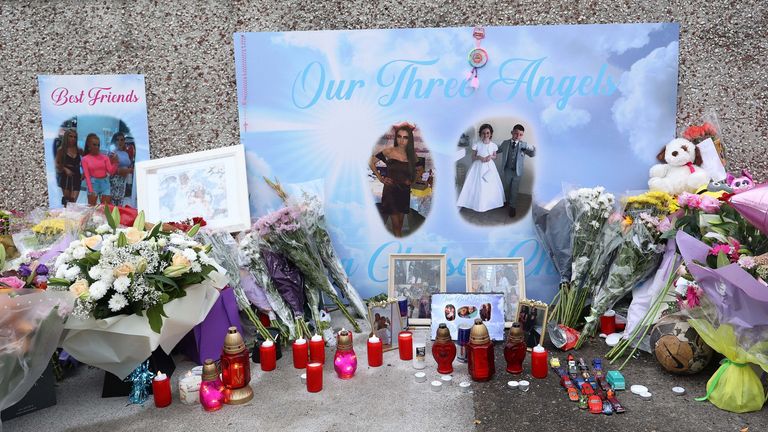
(388, 399)
(546, 407)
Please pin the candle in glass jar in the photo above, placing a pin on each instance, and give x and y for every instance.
(375, 352)
(161, 389)
(189, 389)
(317, 349)
(314, 377)
(300, 353)
(268, 356)
(405, 345)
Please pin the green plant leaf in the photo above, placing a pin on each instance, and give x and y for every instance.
(154, 231)
(122, 241)
(110, 219)
(2, 257)
(722, 260)
(192, 231)
(59, 282)
(139, 222)
(155, 316)
(116, 216)
(162, 280)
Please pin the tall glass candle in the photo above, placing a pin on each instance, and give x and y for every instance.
(444, 350)
(480, 356)
(405, 345)
(317, 349)
(314, 377)
(375, 352)
(300, 353)
(161, 389)
(268, 356)
(420, 352)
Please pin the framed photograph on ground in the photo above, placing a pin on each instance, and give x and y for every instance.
(532, 316)
(386, 323)
(211, 184)
(501, 275)
(461, 309)
(416, 277)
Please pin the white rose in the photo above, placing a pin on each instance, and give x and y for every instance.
(133, 235)
(61, 271)
(92, 242)
(124, 269)
(162, 242)
(79, 288)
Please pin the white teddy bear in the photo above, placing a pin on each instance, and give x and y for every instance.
(680, 168)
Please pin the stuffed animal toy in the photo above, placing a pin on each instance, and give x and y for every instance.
(680, 168)
(740, 184)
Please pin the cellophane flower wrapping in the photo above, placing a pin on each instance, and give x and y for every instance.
(731, 318)
(251, 258)
(637, 257)
(284, 233)
(553, 228)
(31, 323)
(313, 219)
(735, 386)
(588, 209)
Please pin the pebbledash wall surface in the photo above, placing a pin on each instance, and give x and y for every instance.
(185, 51)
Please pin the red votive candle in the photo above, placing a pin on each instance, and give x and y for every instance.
(161, 389)
(608, 322)
(375, 352)
(268, 356)
(300, 353)
(314, 377)
(405, 345)
(317, 349)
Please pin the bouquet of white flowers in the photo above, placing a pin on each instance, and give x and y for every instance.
(130, 270)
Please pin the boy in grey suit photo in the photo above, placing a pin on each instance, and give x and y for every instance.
(513, 152)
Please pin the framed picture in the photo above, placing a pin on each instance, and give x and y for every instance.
(414, 278)
(532, 316)
(211, 184)
(501, 275)
(461, 310)
(386, 323)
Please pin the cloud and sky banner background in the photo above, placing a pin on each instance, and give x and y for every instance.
(600, 101)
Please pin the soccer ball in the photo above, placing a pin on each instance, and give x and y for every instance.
(678, 347)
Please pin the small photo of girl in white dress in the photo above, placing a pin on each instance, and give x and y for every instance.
(482, 189)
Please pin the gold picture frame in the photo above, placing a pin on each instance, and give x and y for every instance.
(498, 275)
(416, 277)
(389, 324)
(531, 319)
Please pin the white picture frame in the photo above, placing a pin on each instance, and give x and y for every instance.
(416, 277)
(504, 275)
(211, 184)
